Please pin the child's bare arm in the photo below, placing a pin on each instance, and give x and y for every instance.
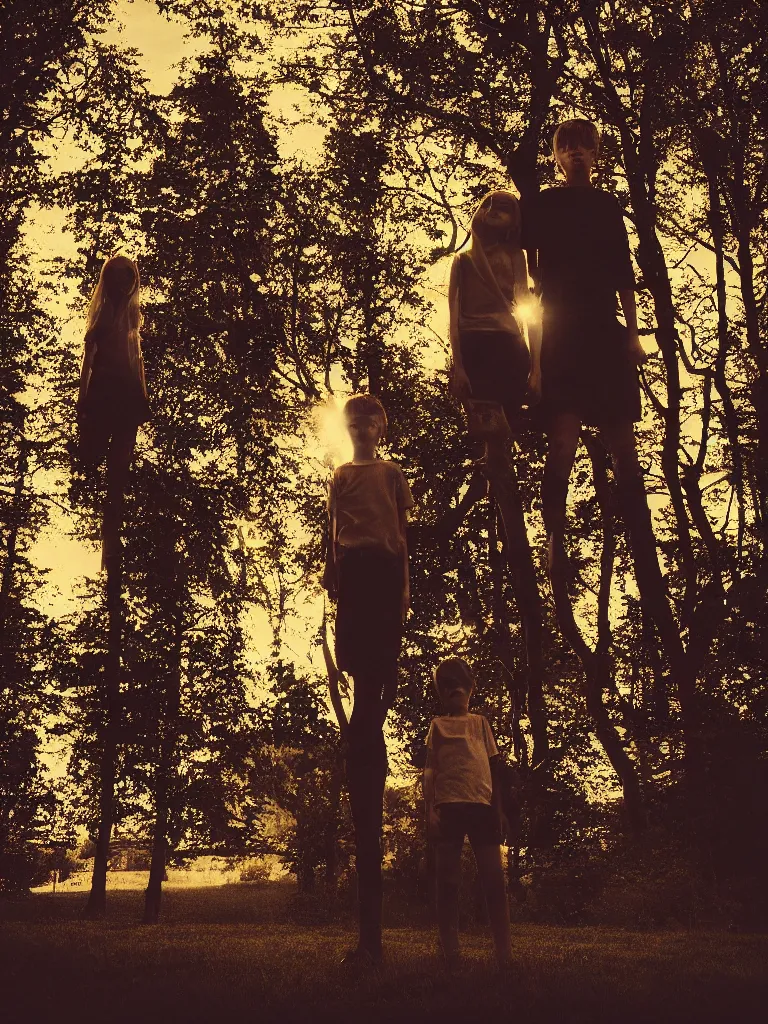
(459, 380)
(329, 573)
(143, 375)
(85, 370)
(428, 786)
(453, 311)
(496, 792)
(529, 303)
(403, 517)
(629, 308)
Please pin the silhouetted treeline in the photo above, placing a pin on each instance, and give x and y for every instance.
(272, 279)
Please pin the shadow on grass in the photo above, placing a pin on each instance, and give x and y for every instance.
(244, 903)
(237, 953)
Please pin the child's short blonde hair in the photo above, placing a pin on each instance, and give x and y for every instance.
(452, 670)
(365, 405)
(578, 130)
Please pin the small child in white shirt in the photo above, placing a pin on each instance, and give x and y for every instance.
(461, 800)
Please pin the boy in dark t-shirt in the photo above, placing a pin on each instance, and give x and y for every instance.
(588, 357)
(576, 239)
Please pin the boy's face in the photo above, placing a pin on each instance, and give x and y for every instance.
(575, 157)
(455, 695)
(364, 429)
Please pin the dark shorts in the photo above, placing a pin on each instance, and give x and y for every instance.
(497, 365)
(479, 822)
(369, 612)
(114, 402)
(587, 371)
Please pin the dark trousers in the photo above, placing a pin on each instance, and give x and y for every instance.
(366, 775)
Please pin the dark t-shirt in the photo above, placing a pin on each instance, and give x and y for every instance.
(582, 250)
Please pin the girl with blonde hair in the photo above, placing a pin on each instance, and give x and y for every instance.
(112, 402)
(486, 294)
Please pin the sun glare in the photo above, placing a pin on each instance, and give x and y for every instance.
(529, 309)
(330, 428)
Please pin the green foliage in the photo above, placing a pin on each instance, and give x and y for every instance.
(298, 762)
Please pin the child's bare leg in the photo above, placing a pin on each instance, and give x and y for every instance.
(366, 778)
(93, 442)
(620, 441)
(119, 456)
(367, 711)
(448, 869)
(491, 871)
(562, 442)
(375, 692)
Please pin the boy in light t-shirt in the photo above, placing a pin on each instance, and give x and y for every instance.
(366, 573)
(462, 800)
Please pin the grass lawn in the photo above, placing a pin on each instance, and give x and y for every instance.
(237, 953)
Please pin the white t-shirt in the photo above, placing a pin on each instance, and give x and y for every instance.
(365, 502)
(459, 748)
(482, 307)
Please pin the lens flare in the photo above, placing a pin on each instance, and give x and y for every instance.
(331, 432)
(529, 309)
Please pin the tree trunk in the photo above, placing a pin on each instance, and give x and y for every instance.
(501, 639)
(158, 863)
(14, 518)
(506, 492)
(97, 898)
(656, 276)
(154, 890)
(760, 386)
(596, 664)
(306, 877)
(332, 827)
(724, 163)
(163, 775)
(729, 414)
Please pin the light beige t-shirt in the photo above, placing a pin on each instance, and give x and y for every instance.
(481, 306)
(459, 748)
(365, 502)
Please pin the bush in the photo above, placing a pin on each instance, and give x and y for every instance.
(256, 869)
(563, 891)
(29, 865)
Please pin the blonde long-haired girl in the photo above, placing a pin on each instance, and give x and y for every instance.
(487, 289)
(112, 401)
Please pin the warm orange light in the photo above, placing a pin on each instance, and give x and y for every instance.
(528, 309)
(333, 439)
